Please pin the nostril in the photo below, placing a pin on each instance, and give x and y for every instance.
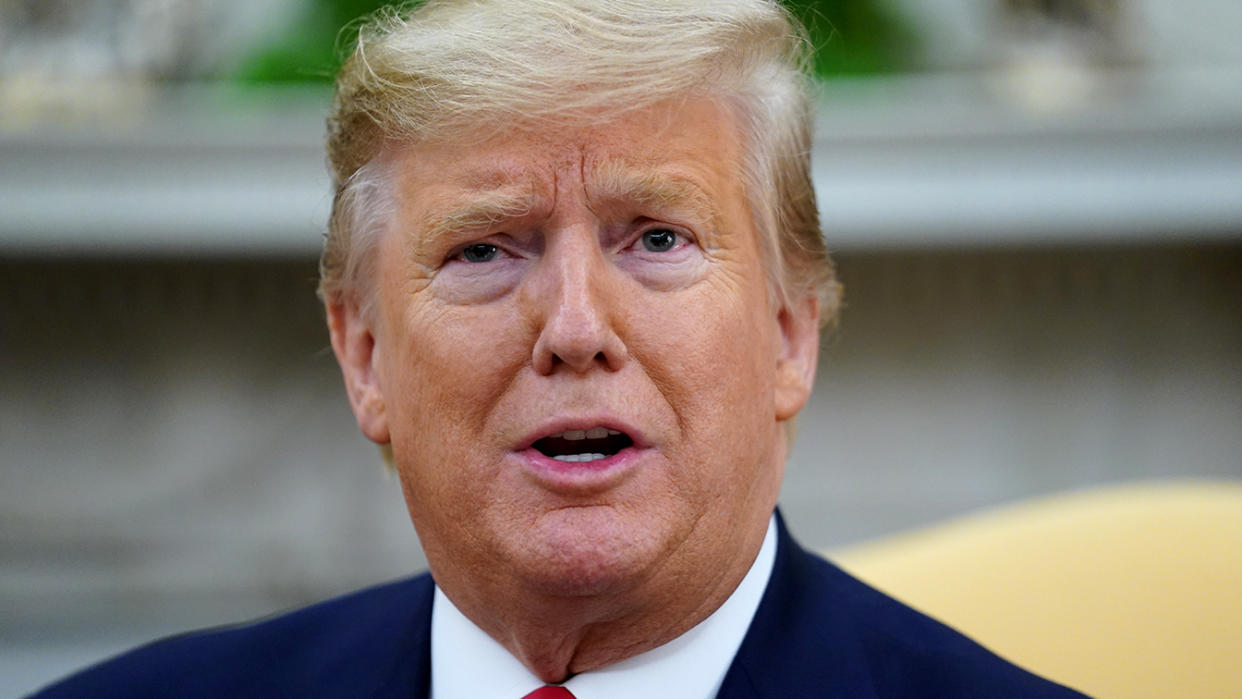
(577, 347)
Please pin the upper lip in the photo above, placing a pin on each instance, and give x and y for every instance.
(559, 425)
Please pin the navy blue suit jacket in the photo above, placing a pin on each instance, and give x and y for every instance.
(817, 633)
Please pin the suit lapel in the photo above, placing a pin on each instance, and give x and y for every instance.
(797, 644)
(409, 669)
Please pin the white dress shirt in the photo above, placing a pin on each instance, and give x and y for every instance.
(466, 663)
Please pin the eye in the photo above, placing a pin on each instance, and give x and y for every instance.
(659, 240)
(479, 252)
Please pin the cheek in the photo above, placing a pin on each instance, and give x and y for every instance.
(443, 376)
(713, 358)
(452, 370)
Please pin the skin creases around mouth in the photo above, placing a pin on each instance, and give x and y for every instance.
(583, 445)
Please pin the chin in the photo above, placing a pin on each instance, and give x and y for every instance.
(587, 551)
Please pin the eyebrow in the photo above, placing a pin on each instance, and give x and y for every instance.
(617, 181)
(482, 210)
(499, 199)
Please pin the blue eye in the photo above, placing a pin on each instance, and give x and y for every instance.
(659, 240)
(479, 252)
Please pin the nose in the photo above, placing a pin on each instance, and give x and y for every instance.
(576, 303)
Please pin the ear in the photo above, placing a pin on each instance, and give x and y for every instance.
(353, 342)
(795, 366)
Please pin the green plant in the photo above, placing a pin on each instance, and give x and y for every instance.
(851, 37)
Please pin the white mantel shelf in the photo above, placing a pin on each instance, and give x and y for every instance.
(932, 162)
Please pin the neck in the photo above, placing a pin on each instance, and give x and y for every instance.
(558, 636)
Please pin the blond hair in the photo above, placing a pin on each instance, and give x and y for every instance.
(455, 67)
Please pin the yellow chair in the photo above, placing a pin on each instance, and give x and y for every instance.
(1131, 591)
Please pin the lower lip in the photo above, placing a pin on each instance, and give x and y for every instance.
(580, 475)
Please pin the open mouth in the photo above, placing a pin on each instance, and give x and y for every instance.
(578, 446)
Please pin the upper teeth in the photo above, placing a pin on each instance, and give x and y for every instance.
(593, 433)
(578, 458)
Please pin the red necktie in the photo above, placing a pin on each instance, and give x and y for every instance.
(550, 692)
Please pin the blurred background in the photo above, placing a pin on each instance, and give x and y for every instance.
(1036, 208)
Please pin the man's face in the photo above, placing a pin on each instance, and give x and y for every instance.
(575, 356)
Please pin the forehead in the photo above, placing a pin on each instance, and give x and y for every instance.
(685, 151)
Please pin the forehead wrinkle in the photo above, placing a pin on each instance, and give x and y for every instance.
(617, 180)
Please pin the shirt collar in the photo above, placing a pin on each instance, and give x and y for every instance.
(467, 663)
